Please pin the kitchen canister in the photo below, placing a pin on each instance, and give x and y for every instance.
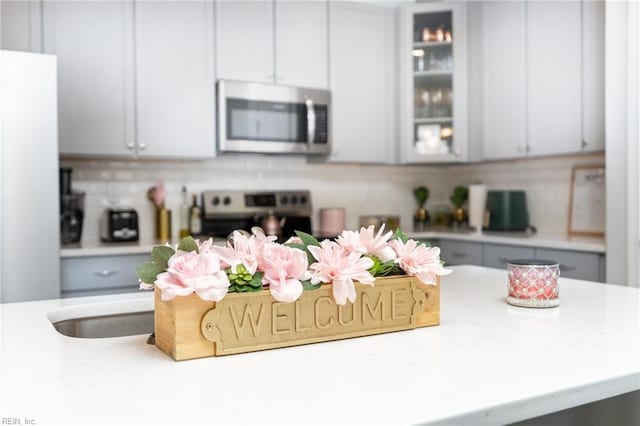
(533, 283)
(332, 221)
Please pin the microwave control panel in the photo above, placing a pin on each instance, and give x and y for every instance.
(321, 124)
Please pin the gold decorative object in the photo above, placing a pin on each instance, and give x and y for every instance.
(188, 327)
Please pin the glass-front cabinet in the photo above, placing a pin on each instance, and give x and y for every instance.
(433, 79)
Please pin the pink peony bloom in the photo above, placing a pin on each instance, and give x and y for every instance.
(243, 249)
(284, 268)
(340, 267)
(190, 272)
(419, 260)
(365, 242)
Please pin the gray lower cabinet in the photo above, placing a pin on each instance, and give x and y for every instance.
(97, 275)
(579, 265)
(573, 264)
(460, 253)
(497, 255)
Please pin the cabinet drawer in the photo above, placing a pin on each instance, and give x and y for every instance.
(497, 255)
(579, 265)
(95, 275)
(461, 253)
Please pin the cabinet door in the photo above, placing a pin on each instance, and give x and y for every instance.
(301, 43)
(244, 40)
(88, 276)
(554, 47)
(504, 69)
(94, 45)
(578, 265)
(460, 253)
(20, 25)
(433, 69)
(497, 255)
(593, 14)
(175, 82)
(362, 85)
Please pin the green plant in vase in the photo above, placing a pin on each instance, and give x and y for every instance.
(458, 198)
(422, 194)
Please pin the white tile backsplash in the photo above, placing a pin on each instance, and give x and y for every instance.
(361, 189)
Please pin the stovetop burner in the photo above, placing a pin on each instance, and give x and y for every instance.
(226, 211)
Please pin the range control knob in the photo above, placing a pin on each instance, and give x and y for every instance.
(227, 200)
(303, 199)
(294, 199)
(284, 199)
(215, 201)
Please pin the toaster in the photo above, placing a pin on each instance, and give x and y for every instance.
(119, 224)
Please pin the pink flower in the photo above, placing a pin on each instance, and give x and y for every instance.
(284, 268)
(337, 265)
(418, 260)
(191, 271)
(243, 249)
(365, 242)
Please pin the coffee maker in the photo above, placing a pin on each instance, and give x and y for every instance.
(71, 209)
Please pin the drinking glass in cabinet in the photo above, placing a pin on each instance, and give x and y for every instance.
(433, 27)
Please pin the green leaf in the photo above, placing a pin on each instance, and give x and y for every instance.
(256, 281)
(307, 240)
(188, 244)
(296, 246)
(306, 285)
(160, 256)
(147, 272)
(399, 235)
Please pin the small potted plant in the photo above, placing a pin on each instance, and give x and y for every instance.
(421, 217)
(458, 198)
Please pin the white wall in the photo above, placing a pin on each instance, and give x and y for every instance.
(622, 74)
(363, 190)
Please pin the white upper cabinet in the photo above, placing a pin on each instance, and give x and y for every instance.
(175, 81)
(543, 72)
(554, 55)
(268, 41)
(593, 75)
(245, 40)
(504, 90)
(362, 83)
(301, 43)
(134, 78)
(94, 45)
(433, 77)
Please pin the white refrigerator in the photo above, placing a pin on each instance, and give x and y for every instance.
(29, 192)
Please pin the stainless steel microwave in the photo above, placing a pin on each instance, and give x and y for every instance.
(272, 119)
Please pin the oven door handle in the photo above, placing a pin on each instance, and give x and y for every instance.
(311, 121)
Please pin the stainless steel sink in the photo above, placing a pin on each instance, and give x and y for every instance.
(116, 325)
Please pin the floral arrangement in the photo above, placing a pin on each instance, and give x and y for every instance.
(255, 262)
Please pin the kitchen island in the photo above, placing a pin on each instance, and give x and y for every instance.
(487, 363)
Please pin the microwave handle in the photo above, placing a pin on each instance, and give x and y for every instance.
(311, 121)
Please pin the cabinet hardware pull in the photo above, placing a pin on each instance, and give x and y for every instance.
(142, 146)
(566, 267)
(456, 153)
(584, 144)
(130, 146)
(105, 273)
(458, 254)
(280, 76)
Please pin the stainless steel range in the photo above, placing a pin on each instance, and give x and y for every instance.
(279, 213)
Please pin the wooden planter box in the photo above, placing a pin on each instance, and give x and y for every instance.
(188, 327)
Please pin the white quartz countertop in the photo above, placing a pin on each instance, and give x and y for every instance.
(596, 245)
(487, 363)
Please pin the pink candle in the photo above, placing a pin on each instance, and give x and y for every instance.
(533, 283)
